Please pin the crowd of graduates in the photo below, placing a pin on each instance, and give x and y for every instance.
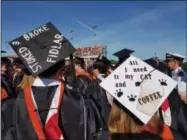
(64, 100)
(92, 113)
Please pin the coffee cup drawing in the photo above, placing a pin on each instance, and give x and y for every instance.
(149, 98)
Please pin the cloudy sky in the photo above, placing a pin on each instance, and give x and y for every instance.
(147, 27)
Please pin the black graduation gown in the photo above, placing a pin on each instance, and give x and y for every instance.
(7, 85)
(6, 115)
(71, 115)
(98, 95)
(179, 122)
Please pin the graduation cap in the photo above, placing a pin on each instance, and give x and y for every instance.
(42, 48)
(152, 62)
(5, 61)
(3, 51)
(16, 61)
(123, 55)
(174, 56)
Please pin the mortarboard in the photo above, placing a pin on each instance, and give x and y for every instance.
(106, 61)
(3, 51)
(4, 61)
(172, 56)
(152, 62)
(123, 53)
(42, 48)
(16, 61)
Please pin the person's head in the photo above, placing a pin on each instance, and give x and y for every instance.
(15, 64)
(174, 60)
(79, 64)
(4, 68)
(99, 68)
(4, 65)
(123, 121)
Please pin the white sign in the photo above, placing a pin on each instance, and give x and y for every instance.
(139, 87)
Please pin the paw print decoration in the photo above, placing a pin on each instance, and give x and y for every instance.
(163, 82)
(132, 98)
(119, 93)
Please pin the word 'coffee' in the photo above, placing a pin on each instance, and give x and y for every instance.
(149, 98)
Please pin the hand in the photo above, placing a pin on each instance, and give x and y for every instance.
(184, 98)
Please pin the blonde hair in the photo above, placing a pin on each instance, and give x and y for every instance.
(26, 81)
(123, 122)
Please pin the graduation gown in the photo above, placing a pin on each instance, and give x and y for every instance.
(98, 109)
(7, 86)
(71, 114)
(6, 115)
(179, 122)
(98, 95)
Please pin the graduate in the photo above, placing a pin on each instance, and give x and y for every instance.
(82, 76)
(6, 86)
(172, 111)
(47, 109)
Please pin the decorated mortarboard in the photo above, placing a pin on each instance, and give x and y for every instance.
(124, 53)
(171, 56)
(42, 48)
(139, 87)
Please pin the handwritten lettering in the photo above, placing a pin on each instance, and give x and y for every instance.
(149, 98)
(35, 33)
(30, 59)
(54, 52)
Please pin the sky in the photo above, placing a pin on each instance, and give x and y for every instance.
(149, 28)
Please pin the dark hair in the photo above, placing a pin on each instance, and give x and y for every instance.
(102, 68)
(79, 61)
(52, 71)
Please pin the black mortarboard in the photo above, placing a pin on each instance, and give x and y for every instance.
(4, 61)
(105, 60)
(152, 62)
(16, 61)
(124, 53)
(3, 51)
(172, 56)
(42, 48)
